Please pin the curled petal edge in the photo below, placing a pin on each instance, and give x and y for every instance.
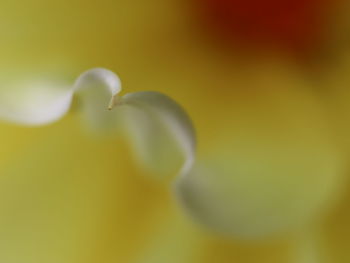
(162, 108)
(40, 103)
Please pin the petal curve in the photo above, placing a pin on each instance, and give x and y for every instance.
(170, 117)
(160, 129)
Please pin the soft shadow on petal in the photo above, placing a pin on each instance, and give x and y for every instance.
(273, 165)
(160, 131)
(234, 206)
(40, 101)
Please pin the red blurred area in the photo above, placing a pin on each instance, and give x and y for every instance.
(296, 25)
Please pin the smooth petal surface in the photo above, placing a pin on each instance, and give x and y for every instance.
(39, 102)
(273, 165)
(34, 102)
(243, 201)
(161, 131)
(96, 90)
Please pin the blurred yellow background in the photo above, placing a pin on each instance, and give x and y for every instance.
(275, 123)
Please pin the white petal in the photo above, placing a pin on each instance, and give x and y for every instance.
(99, 77)
(97, 90)
(39, 102)
(34, 102)
(158, 125)
(160, 130)
(259, 205)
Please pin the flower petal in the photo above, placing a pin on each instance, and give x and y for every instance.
(96, 91)
(39, 102)
(161, 131)
(269, 200)
(34, 102)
